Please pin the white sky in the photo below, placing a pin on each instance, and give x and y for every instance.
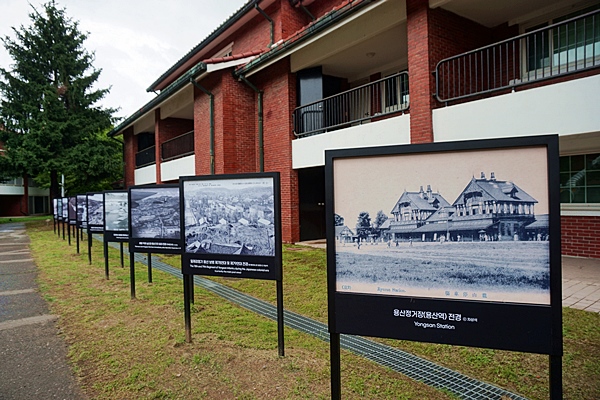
(134, 41)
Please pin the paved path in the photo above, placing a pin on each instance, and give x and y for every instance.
(33, 356)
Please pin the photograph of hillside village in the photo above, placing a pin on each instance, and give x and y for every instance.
(95, 209)
(230, 217)
(116, 211)
(155, 213)
(486, 243)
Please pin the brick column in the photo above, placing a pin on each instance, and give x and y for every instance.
(421, 80)
(157, 128)
(130, 145)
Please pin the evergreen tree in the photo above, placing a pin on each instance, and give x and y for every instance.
(50, 122)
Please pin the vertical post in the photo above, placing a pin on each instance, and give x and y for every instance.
(149, 268)
(90, 247)
(132, 273)
(187, 314)
(335, 365)
(63, 226)
(105, 245)
(77, 237)
(121, 246)
(54, 224)
(69, 232)
(556, 378)
(192, 299)
(280, 326)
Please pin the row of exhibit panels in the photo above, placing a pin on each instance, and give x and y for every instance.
(226, 225)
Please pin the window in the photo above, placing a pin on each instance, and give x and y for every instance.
(580, 178)
(572, 45)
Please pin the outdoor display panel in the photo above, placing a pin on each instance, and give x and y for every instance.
(154, 223)
(59, 206)
(82, 211)
(65, 209)
(454, 243)
(116, 216)
(55, 208)
(232, 225)
(95, 212)
(72, 212)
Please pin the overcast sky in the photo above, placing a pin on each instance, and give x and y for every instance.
(134, 41)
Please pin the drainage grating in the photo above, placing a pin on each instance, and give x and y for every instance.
(400, 361)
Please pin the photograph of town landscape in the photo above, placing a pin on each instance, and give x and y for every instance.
(470, 225)
(82, 210)
(155, 213)
(230, 216)
(95, 209)
(116, 211)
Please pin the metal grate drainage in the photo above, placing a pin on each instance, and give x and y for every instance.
(397, 360)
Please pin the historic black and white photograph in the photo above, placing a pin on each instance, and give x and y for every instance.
(230, 216)
(464, 225)
(95, 209)
(65, 209)
(155, 213)
(59, 206)
(116, 213)
(82, 210)
(55, 208)
(72, 210)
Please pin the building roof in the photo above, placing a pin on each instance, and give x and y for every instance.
(421, 200)
(495, 190)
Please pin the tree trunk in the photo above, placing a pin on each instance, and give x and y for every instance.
(54, 186)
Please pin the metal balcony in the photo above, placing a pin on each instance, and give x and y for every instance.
(177, 147)
(355, 106)
(145, 157)
(559, 49)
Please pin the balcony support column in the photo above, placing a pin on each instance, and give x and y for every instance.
(420, 65)
(261, 149)
(157, 142)
(211, 97)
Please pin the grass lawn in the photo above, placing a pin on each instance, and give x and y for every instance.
(123, 349)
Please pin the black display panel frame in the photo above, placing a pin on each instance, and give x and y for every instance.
(530, 323)
(116, 216)
(235, 221)
(81, 211)
(95, 212)
(72, 212)
(55, 209)
(65, 209)
(170, 209)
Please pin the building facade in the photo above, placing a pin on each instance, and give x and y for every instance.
(281, 81)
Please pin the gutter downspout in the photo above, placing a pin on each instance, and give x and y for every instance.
(261, 148)
(264, 14)
(212, 123)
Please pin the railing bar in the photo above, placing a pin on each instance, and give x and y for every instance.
(500, 66)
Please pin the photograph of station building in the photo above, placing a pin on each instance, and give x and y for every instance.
(281, 81)
(488, 209)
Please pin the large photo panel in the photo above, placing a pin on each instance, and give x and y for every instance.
(82, 211)
(450, 243)
(95, 212)
(154, 222)
(116, 216)
(232, 225)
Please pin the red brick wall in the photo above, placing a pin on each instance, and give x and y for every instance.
(130, 144)
(13, 206)
(279, 87)
(580, 236)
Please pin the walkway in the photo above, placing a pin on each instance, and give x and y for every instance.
(33, 355)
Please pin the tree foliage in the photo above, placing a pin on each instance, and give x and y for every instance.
(50, 122)
(339, 220)
(363, 224)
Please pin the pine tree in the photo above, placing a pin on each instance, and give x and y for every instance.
(50, 123)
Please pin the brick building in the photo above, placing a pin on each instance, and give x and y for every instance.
(282, 80)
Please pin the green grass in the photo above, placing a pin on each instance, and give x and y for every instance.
(6, 220)
(234, 352)
(122, 348)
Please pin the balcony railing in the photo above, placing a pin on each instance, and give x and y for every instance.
(385, 96)
(559, 49)
(177, 147)
(145, 157)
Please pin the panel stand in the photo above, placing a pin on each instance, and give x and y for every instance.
(90, 247)
(132, 273)
(187, 313)
(556, 378)
(149, 268)
(280, 326)
(105, 246)
(122, 263)
(335, 365)
(77, 237)
(69, 232)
